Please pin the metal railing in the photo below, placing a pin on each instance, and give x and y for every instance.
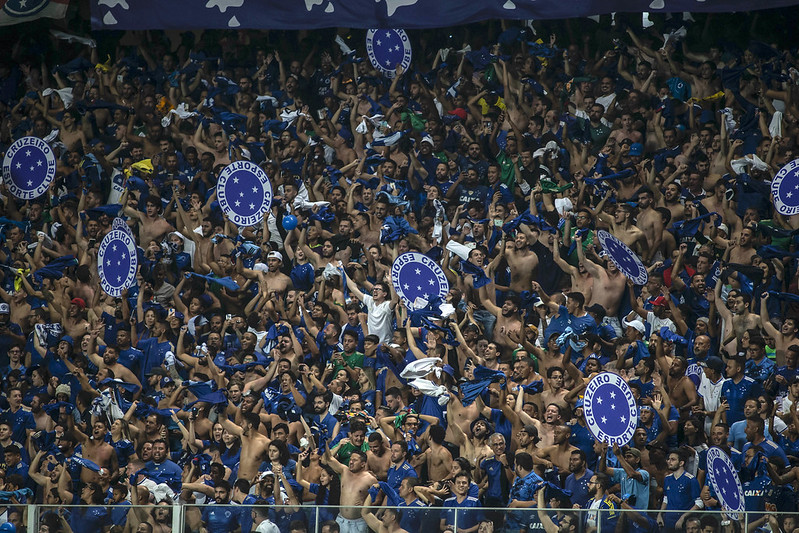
(191, 517)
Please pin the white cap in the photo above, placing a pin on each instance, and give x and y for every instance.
(637, 324)
(723, 227)
(427, 139)
(275, 255)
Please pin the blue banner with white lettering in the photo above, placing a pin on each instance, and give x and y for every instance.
(408, 14)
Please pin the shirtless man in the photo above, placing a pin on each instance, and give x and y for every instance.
(75, 323)
(650, 222)
(110, 360)
(740, 317)
(522, 262)
(743, 252)
(219, 150)
(785, 336)
(671, 201)
(623, 228)
(377, 458)
(681, 389)
(472, 447)
(357, 480)
(254, 446)
(460, 415)
(96, 449)
(275, 280)
(717, 203)
(581, 279)
(560, 452)
(607, 289)
(152, 226)
(626, 131)
(438, 457)
(508, 319)
(553, 391)
(552, 420)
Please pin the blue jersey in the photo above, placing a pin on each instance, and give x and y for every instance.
(495, 472)
(466, 519)
(737, 394)
(761, 371)
(397, 473)
(680, 495)
(770, 449)
(412, 514)
(220, 519)
(579, 487)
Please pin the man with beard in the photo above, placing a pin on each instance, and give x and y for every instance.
(470, 447)
(161, 469)
(577, 480)
(254, 445)
(508, 321)
(671, 201)
(357, 480)
(400, 467)
(680, 493)
(719, 435)
(219, 517)
(681, 389)
(631, 478)
(109, 358)
(324, 426)
(569, 523)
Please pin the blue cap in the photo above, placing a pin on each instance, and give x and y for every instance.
(71, 342)
(636, 149)
(166, 380)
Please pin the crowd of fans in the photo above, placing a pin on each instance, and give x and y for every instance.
(276, 364)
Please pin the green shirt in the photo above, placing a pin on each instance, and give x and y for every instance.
(354, 360)
(507, 174)
(344, 452)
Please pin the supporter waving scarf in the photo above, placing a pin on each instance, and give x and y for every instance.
(483, 377)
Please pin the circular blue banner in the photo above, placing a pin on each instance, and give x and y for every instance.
(625, 259)
(610, 409)
(725, 481)
(117, 261)
(29, 168)
(417, 278)
(244, 193)
(387, 49)
(785, 189)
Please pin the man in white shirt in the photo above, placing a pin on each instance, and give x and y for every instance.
(380, 306)
(710, 382)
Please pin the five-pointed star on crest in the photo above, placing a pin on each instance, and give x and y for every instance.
(604, 420)
(235, 180)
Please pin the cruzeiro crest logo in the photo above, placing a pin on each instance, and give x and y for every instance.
(23, 8)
